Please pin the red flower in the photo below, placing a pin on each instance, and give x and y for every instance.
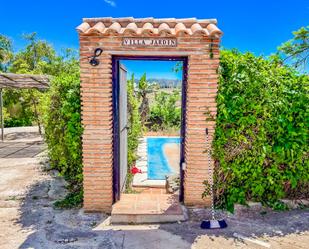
(135, 170)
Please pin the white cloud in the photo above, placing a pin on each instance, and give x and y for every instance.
(110, 2)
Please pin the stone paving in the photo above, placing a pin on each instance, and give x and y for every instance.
(28, 189)
(22, 144)
(21, 149)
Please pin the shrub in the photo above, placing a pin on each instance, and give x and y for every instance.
(63, 129)
(261, 137)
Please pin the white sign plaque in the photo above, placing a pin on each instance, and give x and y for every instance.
(149, 42)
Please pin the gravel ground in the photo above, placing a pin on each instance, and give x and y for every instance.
(28, 219)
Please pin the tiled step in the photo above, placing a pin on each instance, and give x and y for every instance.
(147, 208)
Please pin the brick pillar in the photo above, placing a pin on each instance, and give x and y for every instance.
(96, 93)
(201, 98)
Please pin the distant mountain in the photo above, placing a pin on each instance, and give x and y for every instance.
(164, 83)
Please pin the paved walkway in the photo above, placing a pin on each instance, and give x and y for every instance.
(152, 205)
(20, 149)
(28, 219)
(19, 170)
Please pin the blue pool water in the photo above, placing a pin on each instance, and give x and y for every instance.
(158, 166)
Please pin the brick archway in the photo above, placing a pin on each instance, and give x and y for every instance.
(198, 41)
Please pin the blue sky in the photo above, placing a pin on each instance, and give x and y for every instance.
(257, 25)
(153, 69)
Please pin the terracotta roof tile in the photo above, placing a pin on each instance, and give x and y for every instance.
(147, 28)
(213, 29)
(197, 28)
(181, 28)
(132, 27)
(97, 28)
(84, 27)
(149, 25)
(114, 28)
(164, 28)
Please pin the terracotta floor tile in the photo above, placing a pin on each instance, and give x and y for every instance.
(150, 201)
(157, 190)
(128, 197)
(147, 204)
(147, 197)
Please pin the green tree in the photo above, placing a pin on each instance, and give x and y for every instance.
(296, 50)
(5, 51)
(38, 57)
(143, 88)
(164, 113)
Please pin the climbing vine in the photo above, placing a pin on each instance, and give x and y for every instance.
(261, 138)
(63, 129)
(134, 124)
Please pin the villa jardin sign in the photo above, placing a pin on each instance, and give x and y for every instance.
(149, 42)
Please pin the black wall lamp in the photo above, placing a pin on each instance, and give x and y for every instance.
(93, 59)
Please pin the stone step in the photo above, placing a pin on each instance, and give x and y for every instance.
(141, 180)
(144, 169)
(146, 218)
(142, 152)
(141, 164)
(147, 208)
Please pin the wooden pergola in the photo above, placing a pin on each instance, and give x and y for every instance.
(20, 81)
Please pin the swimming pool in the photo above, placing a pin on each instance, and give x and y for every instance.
(157, 159)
